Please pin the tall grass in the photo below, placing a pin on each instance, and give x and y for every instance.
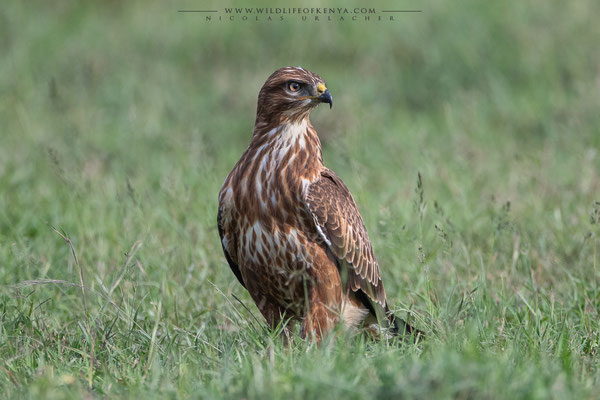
(468, 134)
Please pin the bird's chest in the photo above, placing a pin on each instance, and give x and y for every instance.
(269, 185)
(276, 240)
(275, 227)
(272, 234)
(273, 247)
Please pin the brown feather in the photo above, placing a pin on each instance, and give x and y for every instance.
(336, 214)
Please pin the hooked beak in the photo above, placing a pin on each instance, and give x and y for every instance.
(322, 96)
(326, 98)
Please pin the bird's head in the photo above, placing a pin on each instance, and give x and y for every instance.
(290, 94)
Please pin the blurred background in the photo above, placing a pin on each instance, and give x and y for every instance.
(119, 122)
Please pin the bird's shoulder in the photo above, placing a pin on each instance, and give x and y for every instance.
(329, 188)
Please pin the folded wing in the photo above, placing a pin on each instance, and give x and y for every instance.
(342, 228)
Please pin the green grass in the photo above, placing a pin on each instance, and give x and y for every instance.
(119, 123)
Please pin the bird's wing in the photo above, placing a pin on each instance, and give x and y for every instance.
(340, 225)
(227, 244)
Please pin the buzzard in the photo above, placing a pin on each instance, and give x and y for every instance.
(290, 229)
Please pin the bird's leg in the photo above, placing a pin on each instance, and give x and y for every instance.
(276, 316)
(323, 301)
(320, 317)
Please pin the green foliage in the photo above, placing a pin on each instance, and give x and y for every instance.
(468, 134)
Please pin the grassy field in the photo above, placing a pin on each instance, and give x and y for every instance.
(119, 122)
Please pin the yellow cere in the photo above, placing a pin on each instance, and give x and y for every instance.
(321, 88)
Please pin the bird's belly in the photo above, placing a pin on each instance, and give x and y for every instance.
(275, 264)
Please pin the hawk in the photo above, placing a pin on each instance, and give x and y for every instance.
(290, 229)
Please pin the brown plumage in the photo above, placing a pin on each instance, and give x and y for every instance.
(289, 227)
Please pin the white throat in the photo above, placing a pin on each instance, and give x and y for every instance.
(289, 134)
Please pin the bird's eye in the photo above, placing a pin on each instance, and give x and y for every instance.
(293, 86)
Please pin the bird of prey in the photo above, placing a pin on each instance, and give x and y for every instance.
(290, 229)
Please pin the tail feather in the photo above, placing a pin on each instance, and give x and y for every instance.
(399, 327)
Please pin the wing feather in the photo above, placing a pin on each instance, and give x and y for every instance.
(227, 248)
(336, 215)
